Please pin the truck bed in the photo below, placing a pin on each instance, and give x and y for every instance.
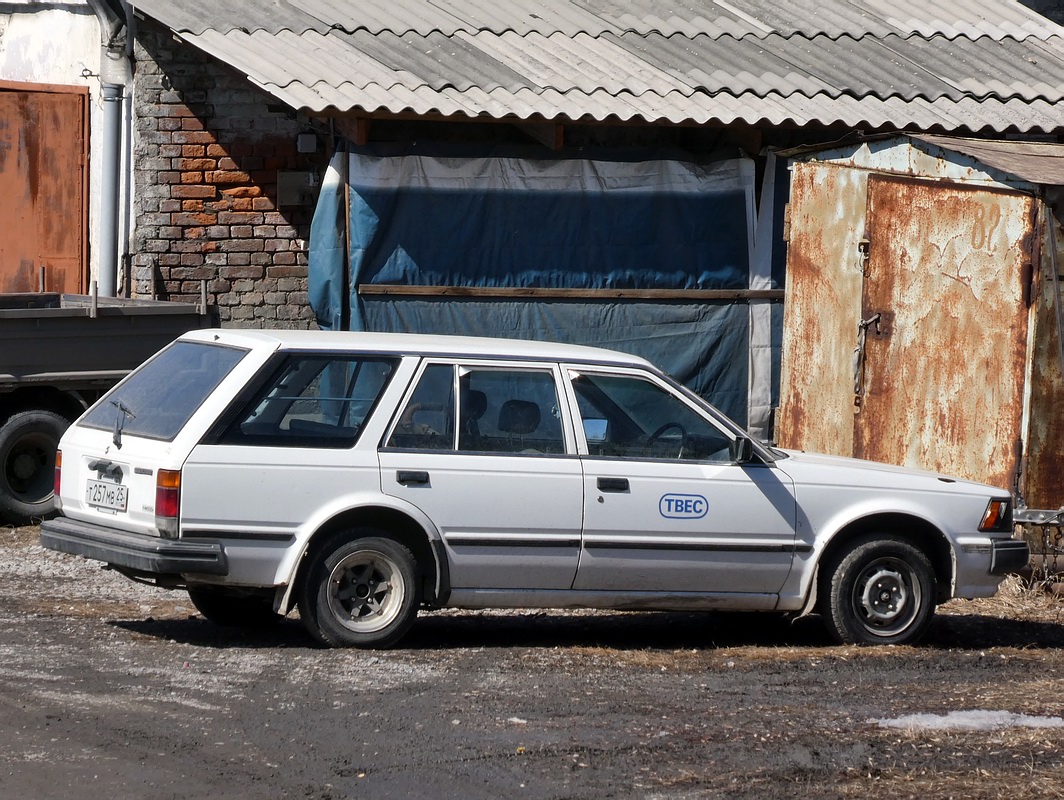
(54, 338)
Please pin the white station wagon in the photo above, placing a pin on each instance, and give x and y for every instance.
(359, 477)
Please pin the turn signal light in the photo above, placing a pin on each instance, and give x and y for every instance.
(167, 501)
(997, 517)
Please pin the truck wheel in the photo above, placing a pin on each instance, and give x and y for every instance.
(233, 609)
(880, 591)
(28, 441)
(360, 591)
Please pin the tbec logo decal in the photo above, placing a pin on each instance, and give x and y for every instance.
(683, 506)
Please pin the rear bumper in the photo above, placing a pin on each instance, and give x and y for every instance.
(1008, 555)
(134, 550)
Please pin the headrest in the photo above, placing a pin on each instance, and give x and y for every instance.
(518, 416)
(474, 403)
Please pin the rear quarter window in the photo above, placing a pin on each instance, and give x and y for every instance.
(311, 400)
(160, 397)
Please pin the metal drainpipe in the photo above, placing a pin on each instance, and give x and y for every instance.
(111, 162)
(114, 74)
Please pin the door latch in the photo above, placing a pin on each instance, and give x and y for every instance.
(859, 355)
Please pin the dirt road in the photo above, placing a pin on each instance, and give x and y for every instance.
(110, 689)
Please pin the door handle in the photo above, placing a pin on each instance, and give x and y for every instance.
(408, 476)
(613, 484)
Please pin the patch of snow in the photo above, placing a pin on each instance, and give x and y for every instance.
(975, 720)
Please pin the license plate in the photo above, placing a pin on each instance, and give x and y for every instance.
(101, 494)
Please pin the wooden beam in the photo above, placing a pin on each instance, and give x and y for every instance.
(517, 292)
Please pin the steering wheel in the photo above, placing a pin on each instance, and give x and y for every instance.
(653, 438)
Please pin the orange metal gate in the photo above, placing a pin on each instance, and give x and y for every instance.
(43, 197)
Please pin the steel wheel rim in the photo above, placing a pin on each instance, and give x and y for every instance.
(886, 597)
(26, 464)
(366, 591)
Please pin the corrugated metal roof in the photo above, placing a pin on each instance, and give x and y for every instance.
(980, 65)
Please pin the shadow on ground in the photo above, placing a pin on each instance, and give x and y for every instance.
(616, 630)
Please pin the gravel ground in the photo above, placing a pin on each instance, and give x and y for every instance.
(112, 689)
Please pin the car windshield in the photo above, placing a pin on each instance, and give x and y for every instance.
(162, 395)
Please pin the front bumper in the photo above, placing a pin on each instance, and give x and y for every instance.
(133, 550)
(1008, 555)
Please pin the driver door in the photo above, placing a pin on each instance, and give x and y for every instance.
(665, 508)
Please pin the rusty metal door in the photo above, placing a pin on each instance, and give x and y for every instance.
(43, 199)
(945, 303)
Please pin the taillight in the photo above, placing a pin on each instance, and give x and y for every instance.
(167, 501)
(56, 481)
(997, 517)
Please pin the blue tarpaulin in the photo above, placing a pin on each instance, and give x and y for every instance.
(413, 219)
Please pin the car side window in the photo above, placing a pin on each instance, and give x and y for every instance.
(630, 417)
(509, 411)
(312, 401)
(427, 420)
(498, 411)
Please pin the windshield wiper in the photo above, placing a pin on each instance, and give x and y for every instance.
(120, 421)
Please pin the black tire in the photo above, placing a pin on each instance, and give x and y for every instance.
(232, 608)
(28, 441)
(361, 590)
(881, 590)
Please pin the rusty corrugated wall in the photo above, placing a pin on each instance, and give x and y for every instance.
(1043, 480)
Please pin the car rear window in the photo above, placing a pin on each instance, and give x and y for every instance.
(162, 394)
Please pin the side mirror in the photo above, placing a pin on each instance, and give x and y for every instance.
(596, 430)
(742, 450)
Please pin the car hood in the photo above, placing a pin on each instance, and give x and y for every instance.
(805, 467)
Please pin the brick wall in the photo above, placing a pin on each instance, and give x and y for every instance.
(207, 151)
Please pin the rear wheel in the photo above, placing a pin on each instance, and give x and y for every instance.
(361, 590)
(28, 441)
(232, 608)
(881, 590)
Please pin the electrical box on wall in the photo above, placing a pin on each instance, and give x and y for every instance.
(297, 188)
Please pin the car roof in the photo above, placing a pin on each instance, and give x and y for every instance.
(414, 344)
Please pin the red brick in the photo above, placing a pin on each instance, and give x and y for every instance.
(193, 219)
(239, 218)
(286, 271)
(192, 124)
(194, 191)
(241, 246)
(191, 205)
(263, 204)
(242, 191)
(216, 151)
(193, 151)
(230, 273)
(193, 137)
(228, 176)
(201, 164)
(191, 177)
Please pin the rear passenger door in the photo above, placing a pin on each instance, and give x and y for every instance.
(483, 449)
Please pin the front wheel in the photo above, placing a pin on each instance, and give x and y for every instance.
(881, 590)
(360, 591)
